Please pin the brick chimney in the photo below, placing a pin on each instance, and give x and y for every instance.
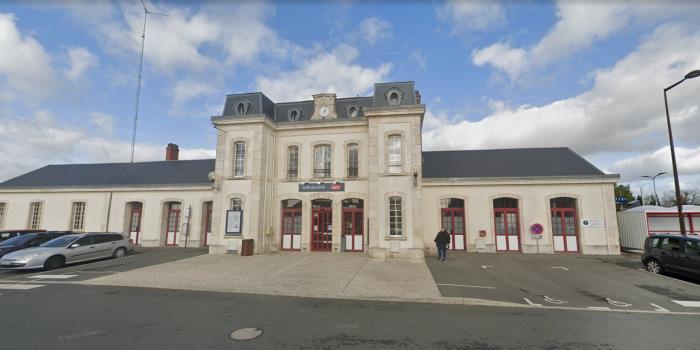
(417, 97)
(172, 152)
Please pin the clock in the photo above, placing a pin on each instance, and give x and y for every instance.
(324, 111)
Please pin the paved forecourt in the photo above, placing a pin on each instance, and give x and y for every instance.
(594, 282)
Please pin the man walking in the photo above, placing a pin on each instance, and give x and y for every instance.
(442, 240)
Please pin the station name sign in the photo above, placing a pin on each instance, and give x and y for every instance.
(322, 187)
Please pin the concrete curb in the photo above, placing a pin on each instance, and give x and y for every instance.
(417, 300)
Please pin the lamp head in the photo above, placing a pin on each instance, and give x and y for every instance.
(693, 74)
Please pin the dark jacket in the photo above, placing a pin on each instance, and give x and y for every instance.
(442, 239)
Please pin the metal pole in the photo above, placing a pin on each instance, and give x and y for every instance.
(679, 202)
(138, 87)
(656, 196)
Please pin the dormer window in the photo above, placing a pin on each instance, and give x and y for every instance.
(353, 111)
(242, 107)
(294, 114)
(394, 96)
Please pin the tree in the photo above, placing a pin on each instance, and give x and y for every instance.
(689, 196)
(624, 191)
(650, 200)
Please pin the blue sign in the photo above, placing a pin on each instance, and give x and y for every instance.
(621, 200)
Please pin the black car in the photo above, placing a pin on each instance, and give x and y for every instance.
(672, 254)
(7, 234)
(29, 240)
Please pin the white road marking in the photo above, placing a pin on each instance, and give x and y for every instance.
(659, 308)
(687, 303)
(52, 276)
(599, 308)
(617, 303)
(554, 301)
(559, 267)
(464, 285)
(20, 286)
(531, 303)
(486, 266)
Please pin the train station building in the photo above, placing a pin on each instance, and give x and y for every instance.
(345, 175)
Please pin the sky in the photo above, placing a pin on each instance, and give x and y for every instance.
(587, 75)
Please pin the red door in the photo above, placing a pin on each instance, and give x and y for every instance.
(453, 222)
(507, 229)
(565, 230)
(172, 224)
(291, 229)
(135, 223)
(321, 228)
(353, 233)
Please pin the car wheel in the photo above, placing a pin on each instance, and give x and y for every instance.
(119, 252)
(54, 262)
(653, 266)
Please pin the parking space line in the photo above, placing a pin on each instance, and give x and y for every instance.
(687, 303)
(559, 267)
(599, 308)
(464, 285)
(20, 286)
(486, 266)
(554, 301)
(52, 276)
(617, 303)
(531, 303)
(659, 308)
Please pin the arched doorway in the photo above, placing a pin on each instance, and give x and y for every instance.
(321, 225)
(134, 212)
(452, 218)
(507, 224)
(353, 232)
(564, 224)
(172, 222)
(291, 224)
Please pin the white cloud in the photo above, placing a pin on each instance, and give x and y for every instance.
(333, 71)
(418, 58)
(25, 67)
(25, 147)
(374, 29)
(623, 112)
(651, 163)
(476, 15)
(79, 61)
(185, 90)
(103, 121)
(579, 25)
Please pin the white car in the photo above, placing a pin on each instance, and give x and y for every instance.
(68, 249)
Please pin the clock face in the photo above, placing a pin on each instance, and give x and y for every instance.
(323, 111)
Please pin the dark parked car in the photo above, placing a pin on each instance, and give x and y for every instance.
(672, 254)
(7, 234)
(29, 240)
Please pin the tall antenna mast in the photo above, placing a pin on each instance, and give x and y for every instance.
(146, 12)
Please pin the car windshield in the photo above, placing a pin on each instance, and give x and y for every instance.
(18, 241)
(60, 241)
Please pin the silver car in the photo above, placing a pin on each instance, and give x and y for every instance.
(68, 249)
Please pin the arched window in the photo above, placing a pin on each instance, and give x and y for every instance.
(564, 224)
(77, 216)
(236, 204)
(292, 162)
(353, 160)
(507, 225)
(34, 218)
(395, 216)
(239, 159)
(322, 161)
(394, 149)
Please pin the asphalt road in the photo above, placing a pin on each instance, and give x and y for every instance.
(66, 316)
(140, 257)
(615, 282)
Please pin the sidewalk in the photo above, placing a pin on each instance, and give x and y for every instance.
(326, 275)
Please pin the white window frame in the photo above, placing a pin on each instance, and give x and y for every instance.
(36, 210)
(3, 211)
(236, 203)
(395, 153)
(325, 161)
(238, 166)
(395, 212)
(77, 216)
(349, 147)
(292, 164)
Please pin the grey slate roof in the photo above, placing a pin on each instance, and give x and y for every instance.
(160, 173)
(518, 162)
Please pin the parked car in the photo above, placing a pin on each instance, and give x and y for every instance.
(7, 234)
(29, 240)
(672, 254)
(69, 249)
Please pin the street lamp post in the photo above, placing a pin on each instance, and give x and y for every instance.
(679, 202)
(653, 181)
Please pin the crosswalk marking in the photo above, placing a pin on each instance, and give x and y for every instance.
(20, 286)
(687, 303)
(52, 276)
